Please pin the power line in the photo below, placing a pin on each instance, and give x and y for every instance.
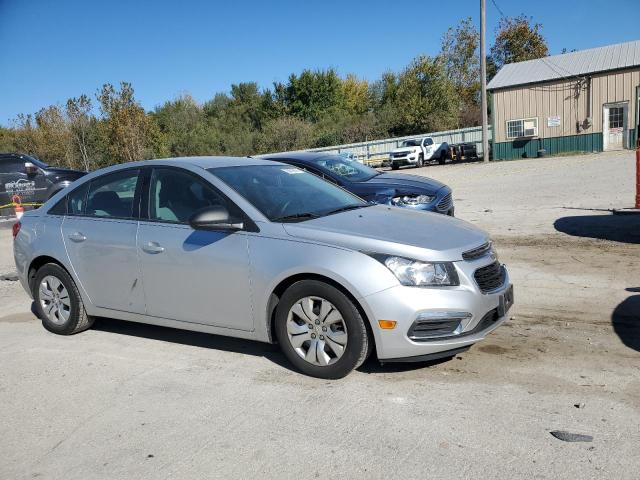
(499, 9)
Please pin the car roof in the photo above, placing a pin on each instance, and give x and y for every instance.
(302, 156)
(210, 161)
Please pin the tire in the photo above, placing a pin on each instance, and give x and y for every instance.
(420, 161)
(51, 284)
(443, 158)
(329, 314)
(395, 166)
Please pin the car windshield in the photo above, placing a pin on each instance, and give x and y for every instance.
(346, 168)
(410, 143)
(287, 194)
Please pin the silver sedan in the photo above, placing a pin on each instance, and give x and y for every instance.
(264, 251)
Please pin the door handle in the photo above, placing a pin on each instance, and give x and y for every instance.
(152, 247)
(77, 237)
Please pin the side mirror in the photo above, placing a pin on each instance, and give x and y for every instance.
(214, 218)
(30, 168)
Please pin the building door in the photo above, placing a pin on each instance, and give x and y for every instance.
(615, 129)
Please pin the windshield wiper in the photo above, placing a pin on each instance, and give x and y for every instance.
(296, 216)
(346, 208)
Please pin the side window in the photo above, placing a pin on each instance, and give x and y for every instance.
(11, 165)
(428, 142)
(59, 208)
(76, 200)
(112, 195)
(174, 196)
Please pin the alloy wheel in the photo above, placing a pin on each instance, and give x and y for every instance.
(54, 300)
(316, 331)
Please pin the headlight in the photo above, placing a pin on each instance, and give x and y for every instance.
(413, 200)
(416, 273)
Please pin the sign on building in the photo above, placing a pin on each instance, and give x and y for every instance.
(553, 121)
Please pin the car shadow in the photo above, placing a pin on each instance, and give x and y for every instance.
(236, 345)
(195, 339)
(618, 228)
(625, 320)
(373, 365)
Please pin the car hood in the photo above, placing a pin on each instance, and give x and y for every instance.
(65, 172)
(406, 184)
(395, 231)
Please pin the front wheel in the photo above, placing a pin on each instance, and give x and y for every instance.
(58, 301)
(320, 330)
(421, 160)
(395, 166)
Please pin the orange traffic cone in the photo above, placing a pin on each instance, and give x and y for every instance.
(17, 205)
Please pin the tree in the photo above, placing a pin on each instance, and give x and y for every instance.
(78, 111)
(182, 124)
(8, 139)
(54, 141)
(128, 133)
(285, 134)
(459, 53)
(426, 99)
(517, 40)
(356, 95)
(312, 94)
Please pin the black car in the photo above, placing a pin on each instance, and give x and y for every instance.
(32, 180)
(411, 191)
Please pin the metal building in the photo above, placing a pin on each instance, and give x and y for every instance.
(580, 101)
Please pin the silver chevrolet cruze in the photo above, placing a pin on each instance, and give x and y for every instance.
(265, 251)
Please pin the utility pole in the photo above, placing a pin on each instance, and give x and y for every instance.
(483, 82)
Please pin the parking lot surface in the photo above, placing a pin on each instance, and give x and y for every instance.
(132, 401)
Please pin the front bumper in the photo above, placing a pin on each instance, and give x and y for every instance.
(401, 161)
(405, 304)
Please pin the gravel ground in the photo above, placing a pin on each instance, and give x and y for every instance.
(133, 401)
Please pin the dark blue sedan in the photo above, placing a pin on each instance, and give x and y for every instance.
(402, 190)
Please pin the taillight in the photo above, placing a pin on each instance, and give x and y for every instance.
(16, 229)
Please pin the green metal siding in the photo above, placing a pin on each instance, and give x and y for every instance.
(528, 148)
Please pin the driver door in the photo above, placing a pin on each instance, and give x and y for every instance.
(191, 275)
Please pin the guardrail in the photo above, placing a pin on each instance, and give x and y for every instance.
(374, 151)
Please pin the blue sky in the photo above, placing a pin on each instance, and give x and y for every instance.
(53, 50)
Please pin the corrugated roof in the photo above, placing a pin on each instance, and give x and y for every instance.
(583, 62)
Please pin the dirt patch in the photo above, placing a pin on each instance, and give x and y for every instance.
(493, 349)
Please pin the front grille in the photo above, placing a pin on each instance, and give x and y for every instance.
(490, 277)
(445, 203)
(400, 155)
(478, 252)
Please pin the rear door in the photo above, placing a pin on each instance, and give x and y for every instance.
(192, 275)
(99, 233)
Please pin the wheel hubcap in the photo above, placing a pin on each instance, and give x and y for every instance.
(54, 300)
(317, 331)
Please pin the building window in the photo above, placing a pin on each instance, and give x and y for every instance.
(616, 117)
(525, 127)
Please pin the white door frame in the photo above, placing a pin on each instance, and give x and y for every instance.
(605, 124)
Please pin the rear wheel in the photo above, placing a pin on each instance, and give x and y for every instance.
(58, 301)
(443, 158)
(320, 330)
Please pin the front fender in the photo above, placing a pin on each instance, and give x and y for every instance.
(273, 260)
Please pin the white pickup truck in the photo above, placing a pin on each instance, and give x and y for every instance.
(417, 152)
